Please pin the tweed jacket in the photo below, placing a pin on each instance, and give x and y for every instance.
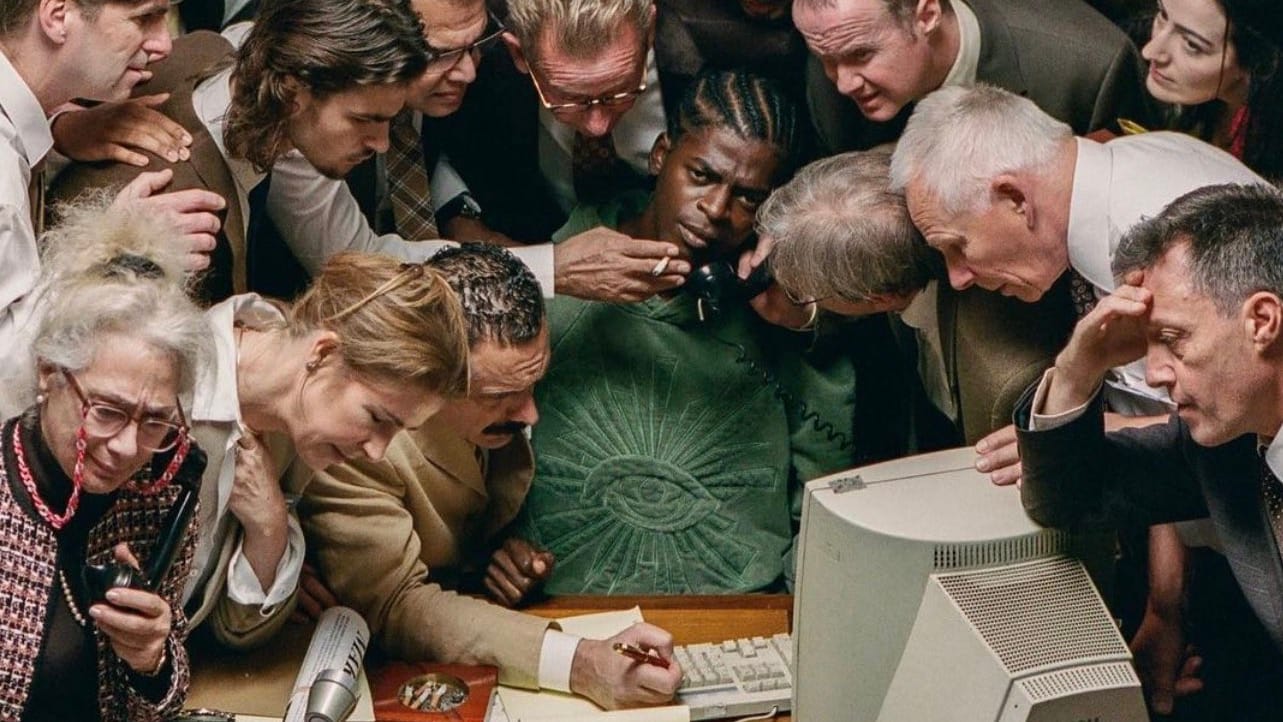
(376, 528)
(193, 57)
(28, 569)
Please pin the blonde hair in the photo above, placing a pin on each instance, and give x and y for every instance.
(395, 321)
(582, 28)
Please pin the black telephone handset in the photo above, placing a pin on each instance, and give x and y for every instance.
(99, 578)
(717, 286)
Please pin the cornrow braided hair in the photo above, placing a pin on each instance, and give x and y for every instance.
(751, 105)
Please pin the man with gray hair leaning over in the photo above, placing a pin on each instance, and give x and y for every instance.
(1014, 200)
(843, 238)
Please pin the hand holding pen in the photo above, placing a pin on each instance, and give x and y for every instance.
(637, 654)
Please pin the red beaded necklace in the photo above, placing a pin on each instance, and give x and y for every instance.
(28, 483)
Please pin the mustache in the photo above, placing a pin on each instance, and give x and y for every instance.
(507, 427)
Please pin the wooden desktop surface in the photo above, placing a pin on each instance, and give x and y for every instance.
(690, 619)
(260, 683)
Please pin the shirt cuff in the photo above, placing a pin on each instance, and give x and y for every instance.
(538, 259)
(243, 586)
(446, 185)
(555, 658)
(1046, 422)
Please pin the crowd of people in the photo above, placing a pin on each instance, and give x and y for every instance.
(430, 308)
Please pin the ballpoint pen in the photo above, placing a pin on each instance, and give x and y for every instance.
(641, 655)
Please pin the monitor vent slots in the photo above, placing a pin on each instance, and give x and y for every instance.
(985, 554)
(1065, 682)
(1037, 614)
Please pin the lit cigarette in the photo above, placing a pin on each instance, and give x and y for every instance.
(660, 267)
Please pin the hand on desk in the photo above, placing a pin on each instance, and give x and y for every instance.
(1168, 667)
(614, 681)
(516, 569)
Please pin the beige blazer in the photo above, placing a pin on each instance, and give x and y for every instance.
(376, 528)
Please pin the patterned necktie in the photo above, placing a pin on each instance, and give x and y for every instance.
(1272, 495)
(1082, 292)
(597, 167)
(408, 186)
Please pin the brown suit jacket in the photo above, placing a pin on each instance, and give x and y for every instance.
(995, 347)
(192, 59)
(376, 528)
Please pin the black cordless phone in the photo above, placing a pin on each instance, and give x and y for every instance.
(99, 578)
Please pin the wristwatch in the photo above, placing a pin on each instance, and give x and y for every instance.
(461, 206)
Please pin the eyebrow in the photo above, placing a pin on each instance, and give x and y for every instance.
(393, 417)
(1183, 30)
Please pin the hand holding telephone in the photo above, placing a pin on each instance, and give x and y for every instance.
(97, 579)
(717, 286)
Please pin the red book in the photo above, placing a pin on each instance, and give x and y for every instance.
(422, 692)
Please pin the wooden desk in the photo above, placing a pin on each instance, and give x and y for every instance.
(691, 619)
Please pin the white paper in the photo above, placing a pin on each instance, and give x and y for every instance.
(521, 705)
(339, 642)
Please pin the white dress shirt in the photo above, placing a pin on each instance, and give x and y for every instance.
(24, 141)
(1116, 185)
(967, 63)
(921, 316)
(217, 425)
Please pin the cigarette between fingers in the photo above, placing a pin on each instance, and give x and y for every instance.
(660, 267)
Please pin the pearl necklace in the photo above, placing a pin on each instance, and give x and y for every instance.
(71, 599)
(24, 472)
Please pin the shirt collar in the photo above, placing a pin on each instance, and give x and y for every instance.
(211, 99)
(216, 397)
(1090, 253)
(967, 63)
(23, 109)
(921, 311)
(1273, 452)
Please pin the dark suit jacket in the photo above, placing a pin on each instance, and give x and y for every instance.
(1061, 54)
(194, 55)
(1076, 475)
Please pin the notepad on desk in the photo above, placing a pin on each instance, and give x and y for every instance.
(521, 705)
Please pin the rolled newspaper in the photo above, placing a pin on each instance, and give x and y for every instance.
(335, 656)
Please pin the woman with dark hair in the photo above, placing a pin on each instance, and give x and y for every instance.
(90, 474)
(1217, 63)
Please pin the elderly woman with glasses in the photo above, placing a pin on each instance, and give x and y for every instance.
(89, 475)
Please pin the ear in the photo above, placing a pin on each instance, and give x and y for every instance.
(295, 93)
(1007, 191)
(47, 376)
(324, 343)
(927, 16)
(514, 50)
(52, 16)
(659, 153)
(1262, 319)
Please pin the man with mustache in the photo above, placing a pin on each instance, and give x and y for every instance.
(440, 495)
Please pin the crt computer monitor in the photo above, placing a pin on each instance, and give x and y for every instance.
(925, 594)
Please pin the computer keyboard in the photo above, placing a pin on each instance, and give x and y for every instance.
(736, 678)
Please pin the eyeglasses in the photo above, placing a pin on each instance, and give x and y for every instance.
(802, 300)
(441, 60)
(582, 106)
(103, 421)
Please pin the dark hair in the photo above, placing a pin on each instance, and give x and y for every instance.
(1256, 30)
(329, 46)
(14, 14)
(752, 106)
(501, 299)
(1235, 237)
